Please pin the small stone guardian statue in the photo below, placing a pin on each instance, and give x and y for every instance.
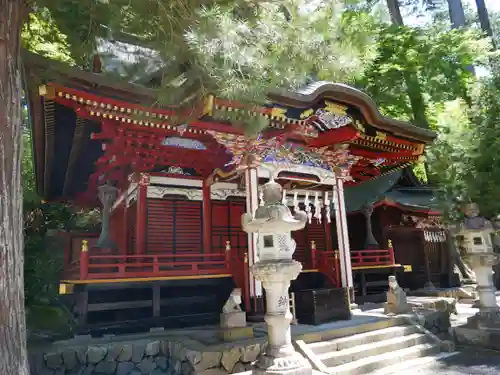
(396, 299)
(233, 302)
(232, 316)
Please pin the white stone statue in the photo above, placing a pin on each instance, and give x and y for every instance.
(232, 316)
(233, 302)
(396, 299)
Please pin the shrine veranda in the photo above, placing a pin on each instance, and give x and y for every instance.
(176, 195)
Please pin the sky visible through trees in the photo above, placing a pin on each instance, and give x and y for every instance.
(415, 20)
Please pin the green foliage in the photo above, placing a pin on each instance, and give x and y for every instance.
(486, 164)
(465, 161)
(80, 21)
(451, 156)
(440, 57)
(41, 35)
(43, 248)
(420, 172)
(245, 59)
(235, 49)
(49, 319)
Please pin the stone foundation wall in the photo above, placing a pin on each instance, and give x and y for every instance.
(149, 357)
(437, 322)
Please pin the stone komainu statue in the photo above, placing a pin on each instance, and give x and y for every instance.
(233, 302)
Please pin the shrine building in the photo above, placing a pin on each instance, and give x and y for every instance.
(172, 196)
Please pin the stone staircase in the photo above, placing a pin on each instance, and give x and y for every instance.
(380, 348)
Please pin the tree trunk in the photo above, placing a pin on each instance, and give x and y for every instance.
(457, 15)
(484, 19)
(13, 358)
(395, 12)
(413, 88)
(457, 18)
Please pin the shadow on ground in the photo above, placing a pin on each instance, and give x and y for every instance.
(468, 362)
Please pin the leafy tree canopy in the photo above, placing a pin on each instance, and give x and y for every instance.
(235, 49)
(41, 35)
(440, 57)
(465, 161)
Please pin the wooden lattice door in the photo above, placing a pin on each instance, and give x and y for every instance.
(174, 226)
(226, 226)
(408, 244)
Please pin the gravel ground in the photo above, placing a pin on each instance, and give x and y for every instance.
(467, 362)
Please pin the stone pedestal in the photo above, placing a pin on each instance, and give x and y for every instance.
(489, 312)
(280, 356)
(235, 319)
(236, 333)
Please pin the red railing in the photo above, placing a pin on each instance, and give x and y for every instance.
(89, 266)
(327, 262)
(86, 265)
(372, 258)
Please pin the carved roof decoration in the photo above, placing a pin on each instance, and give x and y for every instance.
(105, 130)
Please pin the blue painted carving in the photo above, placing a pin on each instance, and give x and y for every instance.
(191, 144)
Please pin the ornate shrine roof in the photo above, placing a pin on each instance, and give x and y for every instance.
(88, 129)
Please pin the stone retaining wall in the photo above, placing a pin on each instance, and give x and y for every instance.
(147, 357)
(435, 321)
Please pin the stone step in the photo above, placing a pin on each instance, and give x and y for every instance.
(414, 364)
(378, 362)
(349, 328)
(372, 349)
(334, 345)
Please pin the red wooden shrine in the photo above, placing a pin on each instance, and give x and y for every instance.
(183, 188)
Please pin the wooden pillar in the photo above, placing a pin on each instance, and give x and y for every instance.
(82, 306)
(141, 224)
(207, 218)
(251, 187)
(343, 237)
(156, 300)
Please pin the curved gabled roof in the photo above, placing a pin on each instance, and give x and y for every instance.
(317, 91)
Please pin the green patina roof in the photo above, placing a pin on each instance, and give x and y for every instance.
(370, 192)
(414, 198)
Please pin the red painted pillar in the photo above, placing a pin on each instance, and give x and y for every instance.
(141, 224)
(207, 218)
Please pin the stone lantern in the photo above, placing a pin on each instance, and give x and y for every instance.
(273, 223)
(107, 195)
(475, 234)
